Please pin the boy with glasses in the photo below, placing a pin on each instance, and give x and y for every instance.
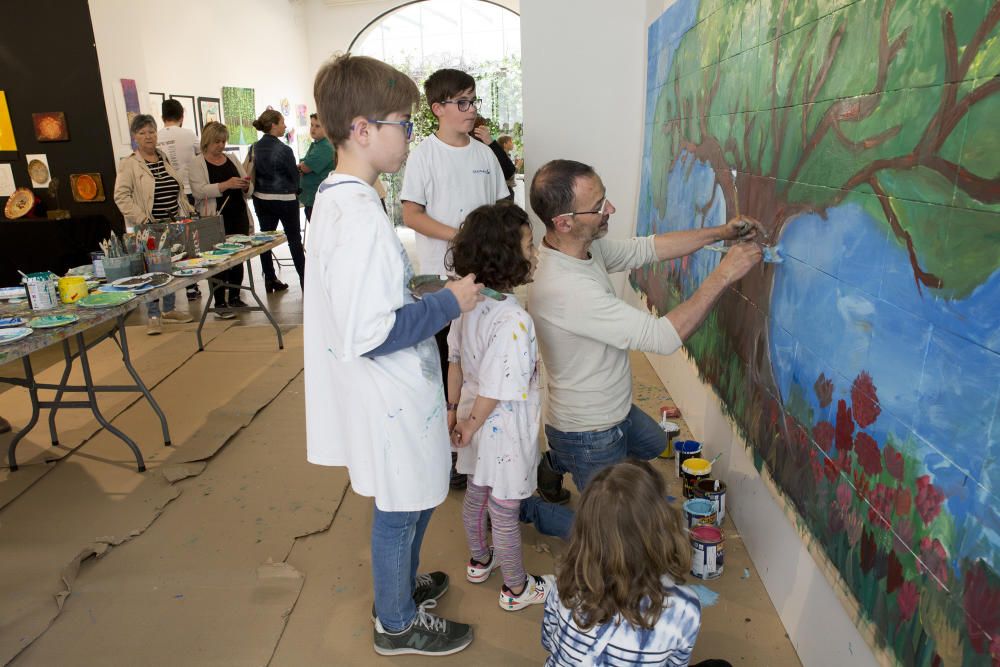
(374, 400)
(448, 176)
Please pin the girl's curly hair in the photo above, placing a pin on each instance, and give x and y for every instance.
(624, 538)
(488, 244)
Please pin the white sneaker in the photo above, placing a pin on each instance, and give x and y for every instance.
(175, 317)
(154, 327)
(477, 572)
(536, 589)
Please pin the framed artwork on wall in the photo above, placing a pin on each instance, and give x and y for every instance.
(50, 126)
(190, 119)
(209, 110)
(239, 110)
(7, 142)
(156, 105)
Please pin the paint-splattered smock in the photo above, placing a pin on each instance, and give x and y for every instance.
(670, 642)
(496, 345)
(383, 417)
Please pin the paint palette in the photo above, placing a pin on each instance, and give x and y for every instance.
(428, 283)
(7, 293)
(53, 321)
(238, 238)
(7, 322)
(230, 247)
(216, 254)
(190, 271)
(106, 299)
(131, 282)
(11, 335)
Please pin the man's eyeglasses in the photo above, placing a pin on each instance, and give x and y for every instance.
(600, 210)
(463, 105)
(405, 124)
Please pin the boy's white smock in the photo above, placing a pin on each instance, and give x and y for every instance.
(384, 418)
(496, 345)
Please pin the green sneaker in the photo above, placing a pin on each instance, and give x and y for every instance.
(427, 635)
(430, 586)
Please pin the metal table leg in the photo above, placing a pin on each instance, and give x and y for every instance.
(29, 377)
(59, 393)
(127, 360)
(215, 283)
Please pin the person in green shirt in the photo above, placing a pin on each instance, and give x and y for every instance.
(317, 163)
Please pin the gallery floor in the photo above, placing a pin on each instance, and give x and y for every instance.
(231, 549)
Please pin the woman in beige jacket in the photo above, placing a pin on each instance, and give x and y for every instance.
(147, 189)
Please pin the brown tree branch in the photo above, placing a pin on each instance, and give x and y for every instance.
(920, 276)
(865, 144)
(985, 28)
(982, 189)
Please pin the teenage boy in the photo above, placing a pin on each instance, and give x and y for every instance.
(374, 400)
(181, 146)
(447, 176)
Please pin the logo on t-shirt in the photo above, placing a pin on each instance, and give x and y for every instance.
(481, 171)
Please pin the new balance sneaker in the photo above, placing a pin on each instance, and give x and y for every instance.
(430, 586)
(427, 635)
(477, 572)
(536, 589)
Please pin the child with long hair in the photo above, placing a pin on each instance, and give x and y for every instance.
(619, 598)
(494, 400)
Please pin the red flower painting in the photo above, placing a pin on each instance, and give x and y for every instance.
(868, 454)
(981, 602)
(863, 400)
(929, 499)
(908, 598)
(845, 427)
(823, 433)
(893, 462)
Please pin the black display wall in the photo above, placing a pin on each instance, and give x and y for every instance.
(48, 62)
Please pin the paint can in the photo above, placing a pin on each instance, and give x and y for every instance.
(72, 288)
(715, 491)
(97, 259)
(671, 429)
(684, 450)
(707, 557)
(699, 512)
(692, 472)
(42, 292)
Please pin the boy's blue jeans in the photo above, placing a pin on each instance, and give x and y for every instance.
(396, 539)
(585, 454)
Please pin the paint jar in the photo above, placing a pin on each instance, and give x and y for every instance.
(692, 472)
(97, 259)
(159, 260)
(707, 557)
(699, 512)
(715, 491)
(42, 293)
(117, 267)
(686, 449)
(72, 288)
(136, 265)
(671, 429)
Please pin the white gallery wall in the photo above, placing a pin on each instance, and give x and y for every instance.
(584, 78)
(195, 47)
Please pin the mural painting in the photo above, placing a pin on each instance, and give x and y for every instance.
(864, 368)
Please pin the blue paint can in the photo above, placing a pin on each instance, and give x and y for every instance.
(684, 450)
(700, 512)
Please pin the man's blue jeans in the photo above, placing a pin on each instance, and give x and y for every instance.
(583, 455)
(396, 539)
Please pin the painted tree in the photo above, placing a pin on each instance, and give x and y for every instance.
(800, 106)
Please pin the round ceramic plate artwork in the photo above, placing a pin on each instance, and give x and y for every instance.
(10, 335)
(19, 203)
(52, 321)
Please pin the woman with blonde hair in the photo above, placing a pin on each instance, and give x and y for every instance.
(275, 197)
(618, 596)
(221, 187)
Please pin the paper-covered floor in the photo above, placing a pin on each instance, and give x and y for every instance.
(231, 549)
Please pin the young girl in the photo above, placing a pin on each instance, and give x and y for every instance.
(493, 399)
(618, 600)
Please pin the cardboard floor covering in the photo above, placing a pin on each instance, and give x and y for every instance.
(154, 358)
(95, 500)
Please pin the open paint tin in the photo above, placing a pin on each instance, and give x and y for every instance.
(684, 450)
(692, 472)
(699, 512)
(707, 555)
(713, 490)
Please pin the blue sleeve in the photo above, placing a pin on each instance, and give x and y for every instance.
(417, 321)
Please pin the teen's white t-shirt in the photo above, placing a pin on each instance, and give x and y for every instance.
(449, 182)
(383, 417)
(496, 345)
(180, 145)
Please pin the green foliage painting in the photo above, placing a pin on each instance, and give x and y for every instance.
(239, 113)
(864, 368)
